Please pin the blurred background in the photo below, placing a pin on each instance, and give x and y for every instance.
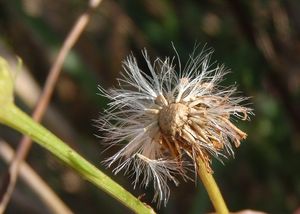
(258, 40)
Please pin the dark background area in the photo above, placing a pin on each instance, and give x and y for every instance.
(258, 40)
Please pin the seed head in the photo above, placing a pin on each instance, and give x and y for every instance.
(169, 118)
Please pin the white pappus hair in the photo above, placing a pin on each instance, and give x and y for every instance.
(169, 118)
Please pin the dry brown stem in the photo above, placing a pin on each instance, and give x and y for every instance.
(54, 73)
(32, 179)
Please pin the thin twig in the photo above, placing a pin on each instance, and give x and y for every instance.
(15, 118)
(53, 202)
(55, 70)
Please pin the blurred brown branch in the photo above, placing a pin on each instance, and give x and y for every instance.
(53, 202)
(25, 144)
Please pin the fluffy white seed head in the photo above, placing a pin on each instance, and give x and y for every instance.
(166, 118)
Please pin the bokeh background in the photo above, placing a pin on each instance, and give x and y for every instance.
(258, 40)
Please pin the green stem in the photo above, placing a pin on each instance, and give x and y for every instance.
(212, 188)
(12, 116)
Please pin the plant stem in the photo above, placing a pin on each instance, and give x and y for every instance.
(212, 188)
(35, 182)
(12, 116)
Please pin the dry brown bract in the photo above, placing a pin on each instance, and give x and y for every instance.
(185, 126)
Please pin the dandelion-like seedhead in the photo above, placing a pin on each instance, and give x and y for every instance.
(170, 118)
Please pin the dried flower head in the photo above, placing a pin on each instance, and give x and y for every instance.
(169, 118)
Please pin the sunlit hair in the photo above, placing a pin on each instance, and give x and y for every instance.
(167, 118)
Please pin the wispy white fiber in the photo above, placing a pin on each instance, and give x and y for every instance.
(134, 122)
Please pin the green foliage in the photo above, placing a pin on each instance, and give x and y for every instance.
(12, 116)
